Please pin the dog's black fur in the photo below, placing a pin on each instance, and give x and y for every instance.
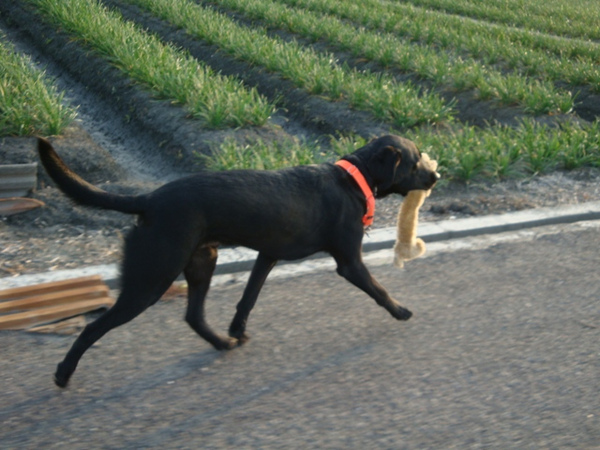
(286, 214)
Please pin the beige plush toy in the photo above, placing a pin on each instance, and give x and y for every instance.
(408, 246)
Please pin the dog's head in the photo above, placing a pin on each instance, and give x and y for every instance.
(396, 166)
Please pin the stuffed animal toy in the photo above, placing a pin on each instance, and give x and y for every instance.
(408, 246)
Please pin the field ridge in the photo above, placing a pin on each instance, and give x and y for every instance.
(537, 17)
(447, 69)
(316, 113)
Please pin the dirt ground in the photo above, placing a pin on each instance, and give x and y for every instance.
(126, 141)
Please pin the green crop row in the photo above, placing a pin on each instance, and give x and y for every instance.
(261, 155)
(524, 51)
(463, 153)
(400, 104)
(568, 18)
(432, 27)
(29, 103)
(440, 67)
(168, 73)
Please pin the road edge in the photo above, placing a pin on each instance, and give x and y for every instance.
(234, 260)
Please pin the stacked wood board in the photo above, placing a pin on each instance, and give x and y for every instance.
(30, 306)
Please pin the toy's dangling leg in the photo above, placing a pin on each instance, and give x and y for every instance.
(408, 246)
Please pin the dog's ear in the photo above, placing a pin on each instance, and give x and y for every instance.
(383, 166)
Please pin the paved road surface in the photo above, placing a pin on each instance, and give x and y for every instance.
(503, 352)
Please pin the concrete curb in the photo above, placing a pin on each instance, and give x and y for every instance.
(235, 260)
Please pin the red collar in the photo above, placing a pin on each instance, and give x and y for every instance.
(364, 187)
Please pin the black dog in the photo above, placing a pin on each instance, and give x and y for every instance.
(286, 214)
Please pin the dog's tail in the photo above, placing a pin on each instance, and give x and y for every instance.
(80, 190)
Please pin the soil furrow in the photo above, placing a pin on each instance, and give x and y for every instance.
(318, 116)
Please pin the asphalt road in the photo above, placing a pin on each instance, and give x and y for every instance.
(503, 352)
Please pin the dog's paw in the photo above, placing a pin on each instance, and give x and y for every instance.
(241, 337)
(227, 343)
(61, 379)
(401, 313)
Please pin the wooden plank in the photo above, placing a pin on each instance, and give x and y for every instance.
(16, 205)
(54, 298)
(20, 292)
(11, 170)
(49, 302)
(16, 180)
(41, 316)
(66, 326)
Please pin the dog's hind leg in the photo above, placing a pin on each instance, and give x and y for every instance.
(127, 307)
(147, 272)
(198, 274)
(260, 271)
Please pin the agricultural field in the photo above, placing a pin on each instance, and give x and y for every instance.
(136, 92)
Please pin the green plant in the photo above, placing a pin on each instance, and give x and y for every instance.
(29, 102)
(168, 72)
(345, 145)
(527, 52)
(261, 155)
(468, 152)
(440, 67)
(401, 104)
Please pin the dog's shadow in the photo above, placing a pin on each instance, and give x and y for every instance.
(192, 364)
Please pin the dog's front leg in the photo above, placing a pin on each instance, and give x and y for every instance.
(260, 271)
(353, 270)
